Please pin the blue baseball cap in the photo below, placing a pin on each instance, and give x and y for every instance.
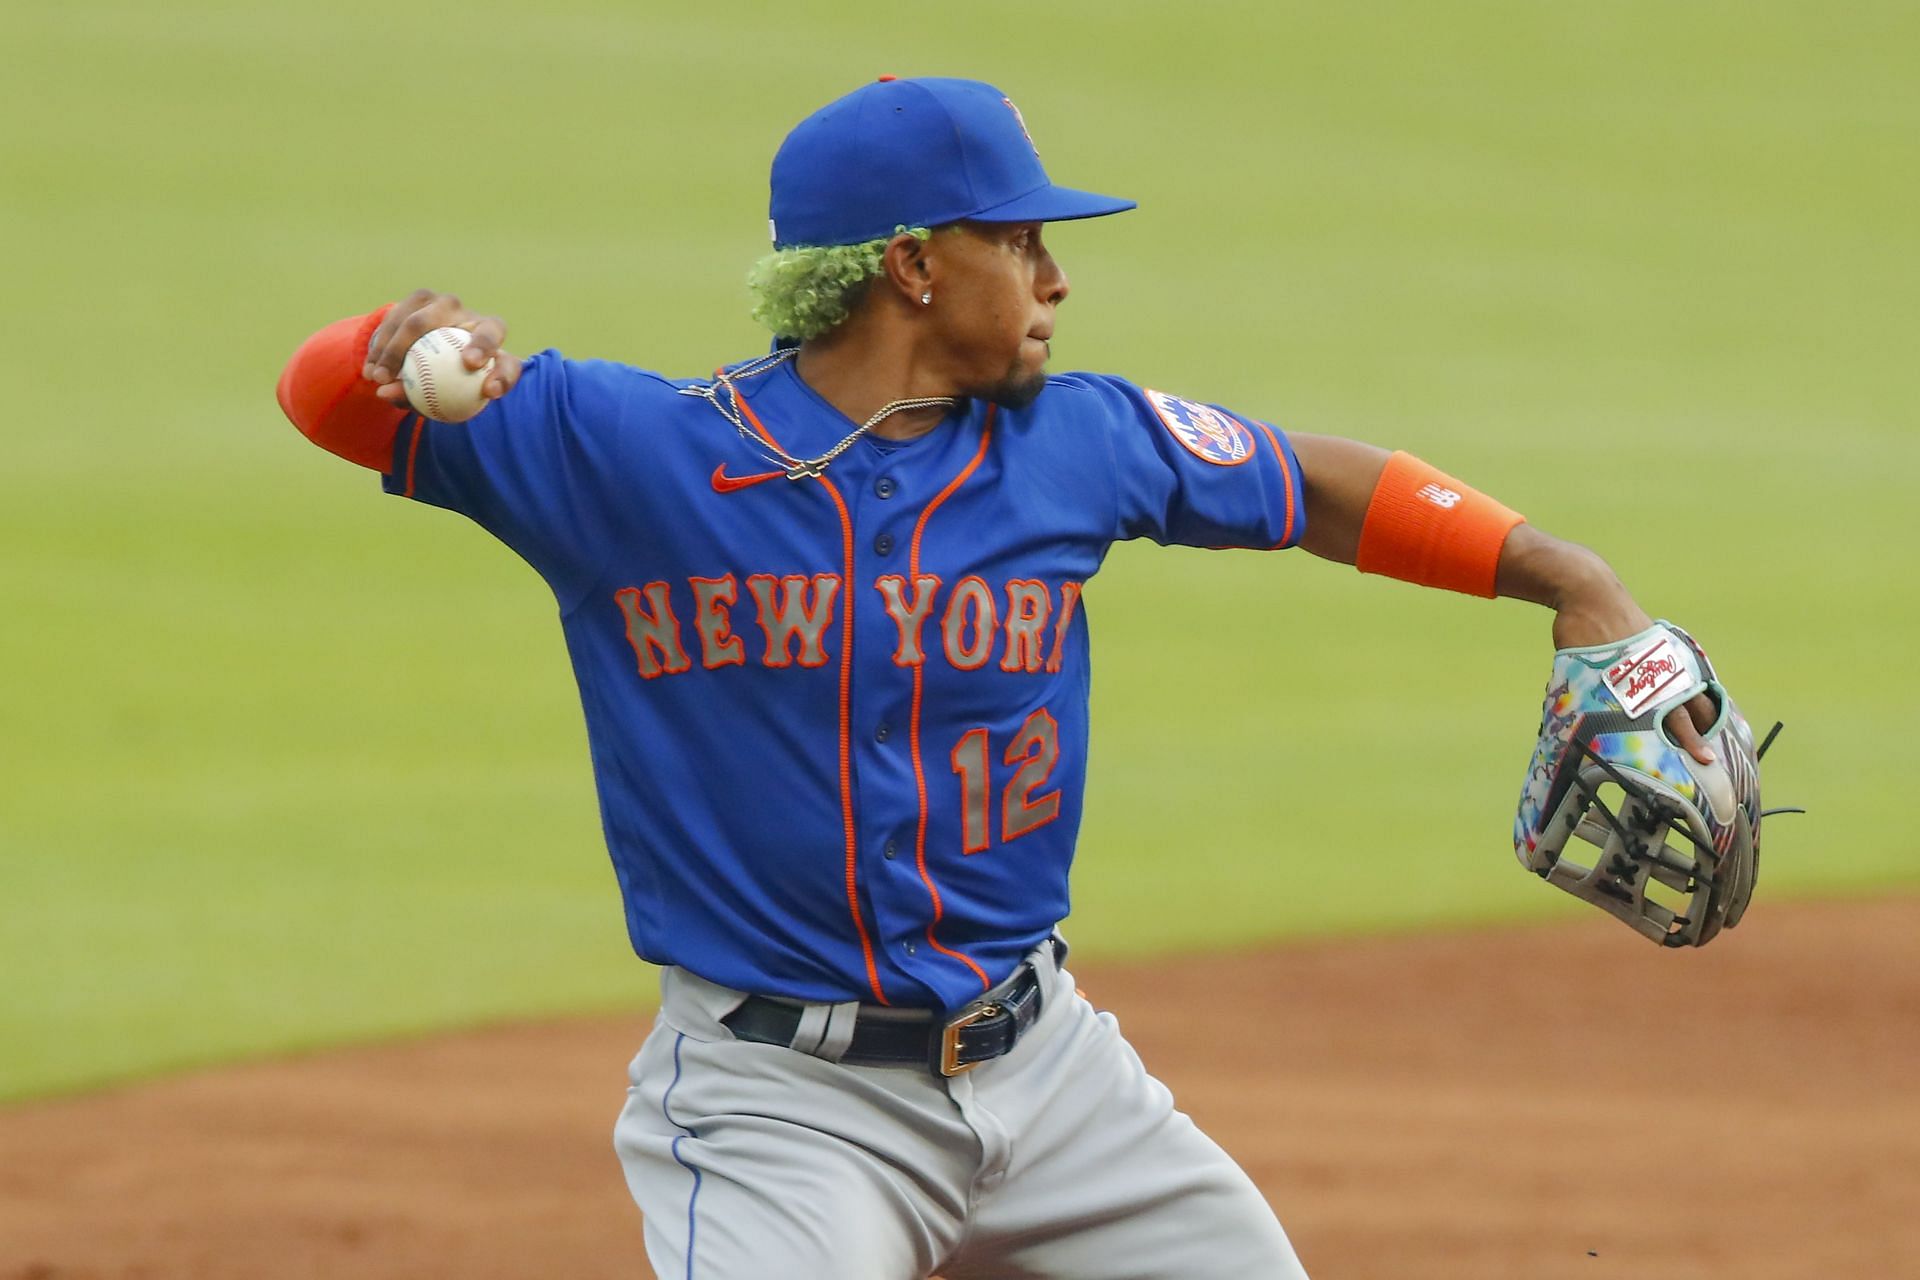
(914, 153)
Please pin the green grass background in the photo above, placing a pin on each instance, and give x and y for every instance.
(288, 764)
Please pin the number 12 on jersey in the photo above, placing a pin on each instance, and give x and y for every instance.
(1035, 749)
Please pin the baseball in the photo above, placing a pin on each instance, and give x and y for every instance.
(437, 380)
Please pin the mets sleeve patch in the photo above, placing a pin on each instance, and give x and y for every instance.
(1206, 432)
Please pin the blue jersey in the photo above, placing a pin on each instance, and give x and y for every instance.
(839, 725)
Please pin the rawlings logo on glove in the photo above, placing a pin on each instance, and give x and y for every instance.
(1690, 827)
(1638, 680)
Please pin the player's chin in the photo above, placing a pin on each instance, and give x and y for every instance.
(1021, 385)
(1017, 391)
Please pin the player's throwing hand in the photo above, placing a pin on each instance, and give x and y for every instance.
(422, 311)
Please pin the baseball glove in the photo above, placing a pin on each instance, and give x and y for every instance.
(1678, 841)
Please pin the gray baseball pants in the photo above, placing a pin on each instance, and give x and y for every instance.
(1063, 1160)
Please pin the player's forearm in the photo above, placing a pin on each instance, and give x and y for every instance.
(1550, 571)
(1394, 515)
(1344, 484)
(323, 393)
(1497, 555)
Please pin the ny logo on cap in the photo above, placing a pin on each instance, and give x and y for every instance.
(1022, 120)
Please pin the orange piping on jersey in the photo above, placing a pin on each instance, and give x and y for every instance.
(1286, 480)
(846, 713)
(413, 450)
(913, 726)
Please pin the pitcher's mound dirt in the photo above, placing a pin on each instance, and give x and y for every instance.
(1529, 1103)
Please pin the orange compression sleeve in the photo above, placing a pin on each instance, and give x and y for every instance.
(322, 393)
(1424, 526)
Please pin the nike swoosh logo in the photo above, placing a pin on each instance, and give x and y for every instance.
(724, 483)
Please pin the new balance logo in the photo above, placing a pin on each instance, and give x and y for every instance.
(1437, 496)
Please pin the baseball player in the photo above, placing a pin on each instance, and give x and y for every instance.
(824, 608)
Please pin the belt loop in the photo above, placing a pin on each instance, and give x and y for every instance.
(1049, 965)
(826, 1030)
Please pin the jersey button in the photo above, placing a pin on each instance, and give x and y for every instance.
(884, 486)
(890, 850)
(911, 949)
(882, 733)
(884, 544)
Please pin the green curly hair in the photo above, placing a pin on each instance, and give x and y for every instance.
(806, 291)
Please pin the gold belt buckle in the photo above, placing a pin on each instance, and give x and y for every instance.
(950, 1064)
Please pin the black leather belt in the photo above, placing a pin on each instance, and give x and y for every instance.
(980, 1032)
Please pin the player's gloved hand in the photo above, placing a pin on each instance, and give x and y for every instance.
(1677, 841)
(424, 310)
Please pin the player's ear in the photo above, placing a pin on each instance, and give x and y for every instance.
(908, 266)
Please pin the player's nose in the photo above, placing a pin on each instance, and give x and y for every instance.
(1052, 284)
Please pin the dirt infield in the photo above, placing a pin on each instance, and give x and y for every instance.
(1531, 1103)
